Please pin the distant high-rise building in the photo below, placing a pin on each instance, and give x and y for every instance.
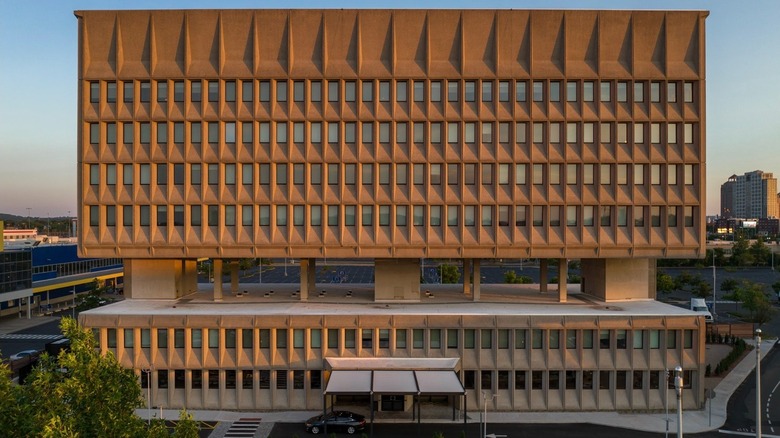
(727, 197)
(751, 195)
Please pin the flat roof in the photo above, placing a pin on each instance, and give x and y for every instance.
(448, 300)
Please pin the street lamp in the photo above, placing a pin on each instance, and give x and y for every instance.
(666, 401)
(678, 387)
(758, 383)
(148, 394)
(485, 399)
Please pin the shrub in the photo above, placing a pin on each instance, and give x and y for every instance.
(738, 348)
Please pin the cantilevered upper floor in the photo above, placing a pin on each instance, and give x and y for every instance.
(391, 133)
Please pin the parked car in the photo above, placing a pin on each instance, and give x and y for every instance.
(25, 353)
(337, 421)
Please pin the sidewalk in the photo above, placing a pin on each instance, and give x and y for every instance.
(693, 421)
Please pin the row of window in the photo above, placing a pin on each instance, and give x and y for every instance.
(247, 379)
(396, 173)
(435, 132)
(77, 267)
(438, 215)
(367, 91)
(549, 339)
(488, 379)
(572, 379)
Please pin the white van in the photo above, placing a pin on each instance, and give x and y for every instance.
(700, 306)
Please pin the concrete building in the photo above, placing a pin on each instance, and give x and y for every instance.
(394, 136)
(727, 197)
(752, 195)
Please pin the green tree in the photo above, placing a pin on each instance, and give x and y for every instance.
(186, 427)
(83, 393)
(740, 253)
(449, 274)
(760, 252)
(14, 412)
(664, 283)
(754, 299)
(776, 287)
(729, 285)
(702, 290)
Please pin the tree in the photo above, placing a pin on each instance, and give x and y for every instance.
(186, 427)
(449, 274)
(729, 285)
(740, 254)
(760, 252)
(14, 414)
(776, 287)
(664, 283)
(80, 393)
(702, 290)
(83, 393)
(754, 300)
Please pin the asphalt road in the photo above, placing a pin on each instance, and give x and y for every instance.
(742, 405)
(34, 338)
(509, 430)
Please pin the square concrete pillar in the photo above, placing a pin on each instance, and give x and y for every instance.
(542, 275)
(466, 276)
(397, 280)
(477, 281)
(563, 265)
(217, 279)
(308, 277)
(619, 279)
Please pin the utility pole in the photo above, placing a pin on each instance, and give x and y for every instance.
(758, 383)
(678, 387)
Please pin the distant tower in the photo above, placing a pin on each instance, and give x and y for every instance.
(727, 197)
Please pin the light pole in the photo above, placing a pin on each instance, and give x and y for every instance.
(666, 401)
(28, 217)
(758, 383)
(714, 286)
(678, 387)
(485, 399)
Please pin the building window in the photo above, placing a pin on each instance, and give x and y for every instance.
(606, 95)
(146, 91)
(604, 339)
(162, 91)
(196, 338)
(639, 92)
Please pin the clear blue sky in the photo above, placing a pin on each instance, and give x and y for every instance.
(38, 42)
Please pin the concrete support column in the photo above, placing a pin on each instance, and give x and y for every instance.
(476, 291)
(234, 277)
(217, 263)
(312, 274)
(466, 276)
(563, 266)
(305, 284)
(542, 275)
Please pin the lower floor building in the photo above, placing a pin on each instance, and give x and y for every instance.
(266, 350)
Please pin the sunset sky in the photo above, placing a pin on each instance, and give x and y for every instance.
(38, 55)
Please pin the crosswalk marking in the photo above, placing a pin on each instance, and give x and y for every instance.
(243, 428)
(28, 337)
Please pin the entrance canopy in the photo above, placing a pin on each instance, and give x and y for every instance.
(421, 376)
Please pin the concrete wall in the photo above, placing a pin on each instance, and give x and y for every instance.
(396, 279)
(619, 279)
(160, 278)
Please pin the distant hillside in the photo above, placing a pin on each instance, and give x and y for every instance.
(11, 217)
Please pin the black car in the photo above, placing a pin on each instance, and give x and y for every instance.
(337, 421)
